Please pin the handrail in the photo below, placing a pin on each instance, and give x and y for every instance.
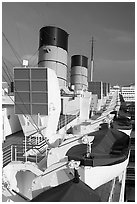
(7, 155)
(14, 151)
(67, 119)
(6, 147)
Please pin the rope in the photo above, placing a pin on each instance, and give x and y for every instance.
(8, 70)
(34, 61)
(7, 74)
(8, 61)
(33, 55)
(13, 50)
(36, 127)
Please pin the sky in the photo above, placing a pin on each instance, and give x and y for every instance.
(112, 24)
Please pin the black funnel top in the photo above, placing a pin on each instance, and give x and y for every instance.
(79, 60)
(50, 35)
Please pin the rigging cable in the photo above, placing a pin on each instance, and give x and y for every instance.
(7, 75)
(38, 130)
(8, 61)
(8, 71)
(35, 126)
(14, 51)
(33, 55)
(34, 61)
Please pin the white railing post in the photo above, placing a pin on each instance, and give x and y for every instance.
(26, 142)
(112, 191)
(15, 153)
(65, 129)
(123, 184)
(46, 150)
(59, 125)
(38, 127)
(36, 159)
(11, 148)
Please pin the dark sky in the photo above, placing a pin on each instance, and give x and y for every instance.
(112, 24)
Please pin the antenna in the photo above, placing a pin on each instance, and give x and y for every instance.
(92, 50)
(91, 66)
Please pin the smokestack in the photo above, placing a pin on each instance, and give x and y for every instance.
(79, 72)
(53, 51)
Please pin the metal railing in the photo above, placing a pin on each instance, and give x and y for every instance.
(7, 154)
(16, 152)
(65, 119)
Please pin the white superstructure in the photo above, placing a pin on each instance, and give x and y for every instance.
(128, 93)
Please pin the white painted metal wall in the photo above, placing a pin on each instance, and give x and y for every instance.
(10, 121)
(54, 58)
(79, 76)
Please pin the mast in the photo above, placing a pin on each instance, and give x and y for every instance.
(92, 51)
(91, 67)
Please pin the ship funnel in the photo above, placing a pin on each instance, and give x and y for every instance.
(53, 52)
(79, 72)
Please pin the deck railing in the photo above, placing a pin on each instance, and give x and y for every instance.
(16, 152)
(65, 119)
(7, 154)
